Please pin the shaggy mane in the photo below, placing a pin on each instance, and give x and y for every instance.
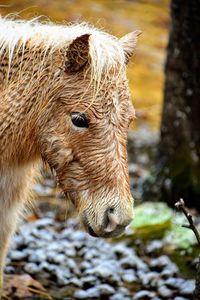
(106, 53)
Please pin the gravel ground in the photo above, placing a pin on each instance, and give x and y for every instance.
(73, 265)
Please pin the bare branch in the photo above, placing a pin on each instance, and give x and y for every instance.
(180, 205)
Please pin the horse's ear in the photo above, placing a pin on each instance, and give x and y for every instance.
(77, 54)
(128, 43)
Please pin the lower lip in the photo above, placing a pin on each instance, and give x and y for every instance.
(91, 232)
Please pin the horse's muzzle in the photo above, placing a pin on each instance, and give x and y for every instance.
(110, 226)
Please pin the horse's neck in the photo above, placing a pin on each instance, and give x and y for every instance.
(20, 89)
(17, 128)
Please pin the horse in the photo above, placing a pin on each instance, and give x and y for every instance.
(65, 101)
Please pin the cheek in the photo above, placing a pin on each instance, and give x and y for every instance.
(64, 156)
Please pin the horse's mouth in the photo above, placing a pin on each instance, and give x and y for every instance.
(87, 226)
(102, 234)
(91, 231)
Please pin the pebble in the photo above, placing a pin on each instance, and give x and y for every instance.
(165, 292)
(180, 298)
(58, 254)
(129, 278)
(93, 292)
(143, 295)
(106, 289)
(174, 282)
(17, 255)
(187, 288)
(31, 268)
(154, 246)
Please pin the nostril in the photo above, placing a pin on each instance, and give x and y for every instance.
(111, 210)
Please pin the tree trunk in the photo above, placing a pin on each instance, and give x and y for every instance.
(197, 289)
(177, 172)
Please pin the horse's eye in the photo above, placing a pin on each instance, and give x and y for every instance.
(79, 119)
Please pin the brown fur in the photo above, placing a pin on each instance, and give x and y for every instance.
(37, 95)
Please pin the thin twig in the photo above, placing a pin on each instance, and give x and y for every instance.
(180, 205)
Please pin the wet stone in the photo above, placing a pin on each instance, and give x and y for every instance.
(106, 289)
(160, 262)
(187, 288)
(164, 292)
(59, 259)
(174, 283)
(31, 268)
(9, 270)
(180, 298)
(148, 278)
(17, 255)
(144, 295)
(124, 291)
(119, 296)
(75, 281)
(37, 256)
(129, 277)
(89, 293)
(166, 273)
(81, 294)
(154, 246)
(91, 280)
(90, 268)
(44, 222)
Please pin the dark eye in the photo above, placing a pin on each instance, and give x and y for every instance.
(79, 119)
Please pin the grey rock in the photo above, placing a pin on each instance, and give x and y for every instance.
(160, 262)
(79, 235)
(142, 295)
(75, 281)
(187, 288)
(89, 293)
(65, 233)
(165, 292)
(166, 273)
(9, 269)
(85, 265)
(44, 222)
(180, 298)
(127, 262)
(140, 265)
(154, 246)
(174, 282)
(106, 289)
(124, 291)
(59, 259)
(104, 270)
(119, 296)
(38, 255)
(148, 278)
(129, 278)
(81, 294)
(17, 255)
(172, 268)
(31, 268)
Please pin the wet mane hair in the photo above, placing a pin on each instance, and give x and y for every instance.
(105, 52)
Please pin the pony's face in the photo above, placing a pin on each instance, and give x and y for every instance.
(85, 142)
